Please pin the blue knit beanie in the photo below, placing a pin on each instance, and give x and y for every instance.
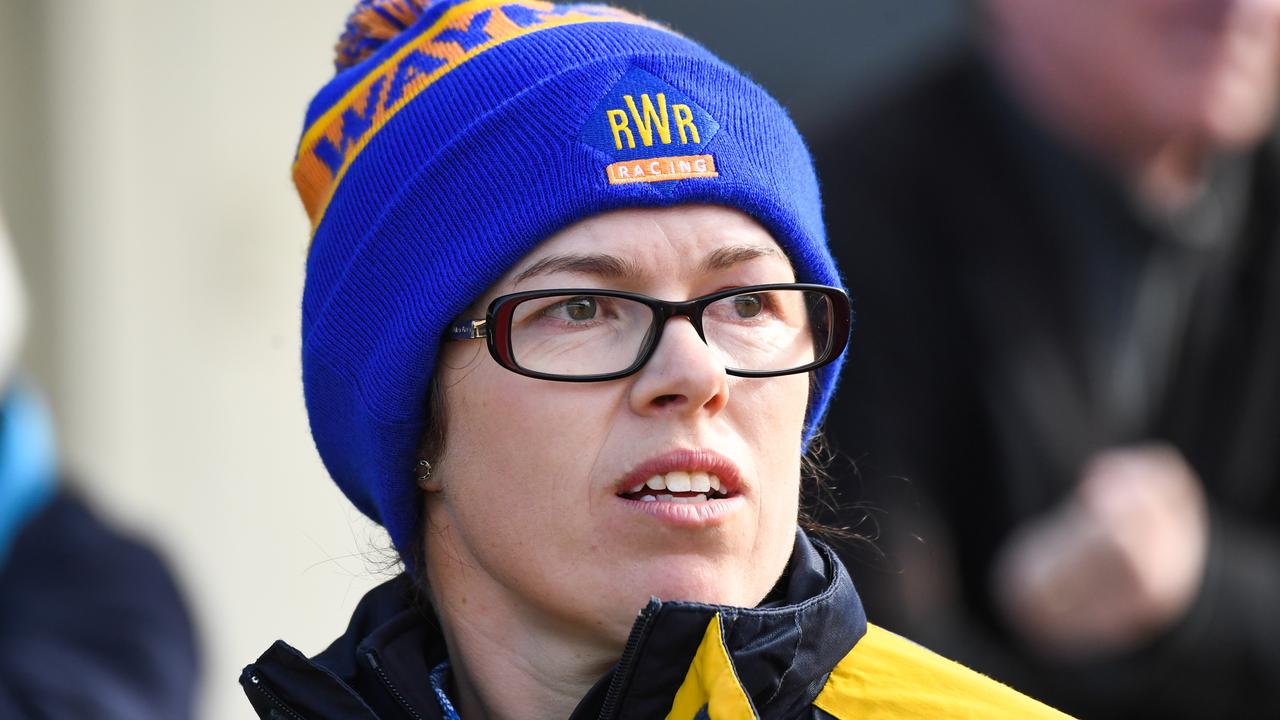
(455, 137)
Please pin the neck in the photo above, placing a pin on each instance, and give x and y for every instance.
(1165, 170)
(508, 662)
(500, 674)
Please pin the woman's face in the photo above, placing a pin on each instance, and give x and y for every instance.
(532, 519)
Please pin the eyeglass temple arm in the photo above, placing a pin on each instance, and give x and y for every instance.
(467, 330)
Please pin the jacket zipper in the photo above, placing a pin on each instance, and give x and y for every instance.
(261, 689)
(372, 659)
(622, 676)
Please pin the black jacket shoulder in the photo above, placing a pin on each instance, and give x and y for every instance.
(79, 600)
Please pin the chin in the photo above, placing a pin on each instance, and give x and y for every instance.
(707, 581)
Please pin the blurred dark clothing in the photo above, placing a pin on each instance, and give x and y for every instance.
(91, 624)
(1017, 311)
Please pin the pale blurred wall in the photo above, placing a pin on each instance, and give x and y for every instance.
(147, 151)
(144, 163)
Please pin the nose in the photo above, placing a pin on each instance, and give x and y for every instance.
(683, 376)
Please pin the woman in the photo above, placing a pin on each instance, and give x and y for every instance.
(569, 322)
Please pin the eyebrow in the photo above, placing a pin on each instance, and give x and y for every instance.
(612, 267)
(604, 266)
(727, 257)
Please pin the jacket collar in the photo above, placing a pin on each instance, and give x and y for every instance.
(781, 652)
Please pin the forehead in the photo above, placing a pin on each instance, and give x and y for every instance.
(660, 240)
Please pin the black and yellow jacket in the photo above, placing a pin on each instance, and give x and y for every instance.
(808, 652)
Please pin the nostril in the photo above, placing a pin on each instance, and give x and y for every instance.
(665, 400)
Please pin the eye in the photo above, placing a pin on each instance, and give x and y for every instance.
(580, 308)
(748, 306)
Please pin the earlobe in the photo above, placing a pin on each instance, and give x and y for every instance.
(426, 480)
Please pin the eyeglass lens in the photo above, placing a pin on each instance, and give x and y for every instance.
(760, 331)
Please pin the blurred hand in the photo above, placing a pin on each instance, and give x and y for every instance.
(1115, 564)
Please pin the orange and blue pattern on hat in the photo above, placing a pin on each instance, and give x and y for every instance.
(652, 131)
(463, 31)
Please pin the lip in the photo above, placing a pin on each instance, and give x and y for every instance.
(688, 515)
(689, 459)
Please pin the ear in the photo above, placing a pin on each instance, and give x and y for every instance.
(428, 481)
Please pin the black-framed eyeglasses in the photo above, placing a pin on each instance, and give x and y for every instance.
(588, 335)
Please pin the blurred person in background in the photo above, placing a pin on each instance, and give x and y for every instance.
(91, 622)
(1064, 244)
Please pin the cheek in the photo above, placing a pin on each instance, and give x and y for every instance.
(771, 409)
(512, 429)
(1145, 61)
(774, 413)
(516, 442)
(770, 415)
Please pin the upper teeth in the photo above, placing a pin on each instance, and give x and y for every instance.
(680, 481)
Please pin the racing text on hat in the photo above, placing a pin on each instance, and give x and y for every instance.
(652, 131)
(665, 168)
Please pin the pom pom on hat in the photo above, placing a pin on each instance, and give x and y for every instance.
(371, 24)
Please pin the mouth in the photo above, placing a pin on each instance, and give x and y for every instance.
(697, 483)
(679, 486)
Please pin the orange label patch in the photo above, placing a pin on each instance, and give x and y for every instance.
(679, 167)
